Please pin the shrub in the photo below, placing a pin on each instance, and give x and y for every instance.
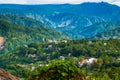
(58, 70)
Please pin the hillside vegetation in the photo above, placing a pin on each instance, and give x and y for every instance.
(76, 21)
(60, 41)
(17, 36)
(23, 61)
(115, 33)
(23, 21)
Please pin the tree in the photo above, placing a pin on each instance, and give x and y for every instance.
(60, 70)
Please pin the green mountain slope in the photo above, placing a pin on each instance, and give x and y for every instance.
(67, 18)
(115, 33)
(93, 30)
(36, 56)
(17, 35)
(23, 21)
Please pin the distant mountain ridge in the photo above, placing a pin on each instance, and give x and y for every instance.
(115, 34)
(69, 19)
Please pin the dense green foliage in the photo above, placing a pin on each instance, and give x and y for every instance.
(107, 52)
(34, 51)
(17, 36)
(77, 21)
(58, 69)
(23, 21)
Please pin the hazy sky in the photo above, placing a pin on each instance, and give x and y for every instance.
(56, 1)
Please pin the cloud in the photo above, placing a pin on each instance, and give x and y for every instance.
(56, 1)
(63, 1)
(117, 3)
(14, 1)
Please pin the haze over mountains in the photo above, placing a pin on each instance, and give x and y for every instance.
(76, 21)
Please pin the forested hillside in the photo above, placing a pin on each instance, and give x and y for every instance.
(94, 30)
(17, 36)
(115, 33)
(36, 56)
(72, 20)
(23, 21)
(60, 41)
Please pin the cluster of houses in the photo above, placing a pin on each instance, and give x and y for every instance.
(31, 66)
(57, 41)
(89, 62)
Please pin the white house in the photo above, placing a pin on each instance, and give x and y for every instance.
(87, 61)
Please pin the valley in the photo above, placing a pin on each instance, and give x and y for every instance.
(60, 41)
(72, 20)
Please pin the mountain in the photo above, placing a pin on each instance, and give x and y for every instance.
(23, 21)
(98, 28)
(67, 18)
(115, 33)
(17, 35)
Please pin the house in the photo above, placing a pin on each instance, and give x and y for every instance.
(32, 55)
(65, 41)
(80, 64)
(62, 57)
(105, 44)
(32, 68)
(50, 41)
(87, 61)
